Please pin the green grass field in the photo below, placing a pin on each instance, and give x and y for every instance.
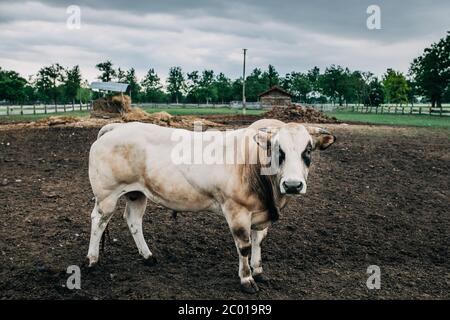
(202, 111)
(393, 119)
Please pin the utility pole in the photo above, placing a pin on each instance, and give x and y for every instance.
(244, 103)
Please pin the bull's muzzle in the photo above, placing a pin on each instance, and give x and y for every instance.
(292, 187)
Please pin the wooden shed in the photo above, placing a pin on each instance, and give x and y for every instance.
(275, 96)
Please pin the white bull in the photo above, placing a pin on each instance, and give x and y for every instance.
(141, 162)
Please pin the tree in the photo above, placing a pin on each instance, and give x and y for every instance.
(108, 72)
(272, 76)
(207, 90)
(223, 88)
(13, 87)
(72, 83)
(314, 77)
(299, 85)
(121, 75)
(395, 87)
(133, 85)
(255, 83)
(152, 87)
(333, 83)
(192, 87)
(375, 93)
(175, 83)
(431, 71)
(48, 80)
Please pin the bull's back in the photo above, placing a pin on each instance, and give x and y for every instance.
(137, 157)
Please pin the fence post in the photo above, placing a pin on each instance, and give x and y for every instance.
(7, 110)
(45, 108)
(440, 112)
(21, 109)
(403, 109)
(420, 110)
(34, 108)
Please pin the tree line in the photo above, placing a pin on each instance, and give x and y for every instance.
(428, 78)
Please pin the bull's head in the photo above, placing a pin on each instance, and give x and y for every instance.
(291, 148)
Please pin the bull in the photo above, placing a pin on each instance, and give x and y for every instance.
(139, 161)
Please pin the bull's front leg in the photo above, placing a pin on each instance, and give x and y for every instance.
(256, 260)
(239, 221)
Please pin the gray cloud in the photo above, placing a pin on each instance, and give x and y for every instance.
(292, 35)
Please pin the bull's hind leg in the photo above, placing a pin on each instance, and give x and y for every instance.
(100, 216)
(134, 212)
(256, 261)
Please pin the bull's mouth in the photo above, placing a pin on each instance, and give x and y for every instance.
(292, 192)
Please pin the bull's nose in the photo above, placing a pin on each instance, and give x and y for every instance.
(293, 186)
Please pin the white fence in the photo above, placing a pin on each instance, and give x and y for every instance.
(42, 109)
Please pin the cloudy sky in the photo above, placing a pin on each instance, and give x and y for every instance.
(200, 34)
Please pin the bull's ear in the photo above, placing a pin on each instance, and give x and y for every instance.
(322, 138)
(264, 136)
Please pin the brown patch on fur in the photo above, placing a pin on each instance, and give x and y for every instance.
(245, 251)
(241, 233)
(264, 187)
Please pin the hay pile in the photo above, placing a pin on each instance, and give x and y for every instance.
(165, 119)
(56, 120)
(111, 107)
(297, 113)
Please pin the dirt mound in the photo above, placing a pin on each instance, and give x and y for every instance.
(297, 113)
(110, 107)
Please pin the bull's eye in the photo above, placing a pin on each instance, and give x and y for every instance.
(306, 156)
(281, 156)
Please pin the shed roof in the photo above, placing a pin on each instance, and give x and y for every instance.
(275, 88)
(110, 86)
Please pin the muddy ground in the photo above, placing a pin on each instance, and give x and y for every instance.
(380, 196)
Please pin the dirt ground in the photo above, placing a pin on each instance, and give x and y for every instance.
(379, 196)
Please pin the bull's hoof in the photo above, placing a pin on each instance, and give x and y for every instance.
(249, 287)
(92, 262)
(150, 261)
(261, 278)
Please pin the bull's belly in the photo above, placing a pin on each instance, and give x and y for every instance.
(179, 196)
(180, 204)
